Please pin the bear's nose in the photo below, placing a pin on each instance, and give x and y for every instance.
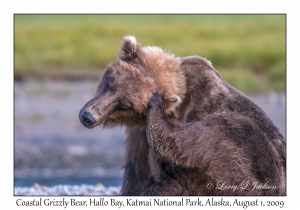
(87, 119)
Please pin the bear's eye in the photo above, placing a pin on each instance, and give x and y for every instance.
(124, 105)
(109, 84)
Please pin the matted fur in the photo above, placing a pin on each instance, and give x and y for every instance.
(194, 95)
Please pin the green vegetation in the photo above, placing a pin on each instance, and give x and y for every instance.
(247, 50)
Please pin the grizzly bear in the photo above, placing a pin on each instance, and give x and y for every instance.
(188, 131)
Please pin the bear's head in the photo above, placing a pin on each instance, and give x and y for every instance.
(128, 83)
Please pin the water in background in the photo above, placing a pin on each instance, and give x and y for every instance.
(73, 180)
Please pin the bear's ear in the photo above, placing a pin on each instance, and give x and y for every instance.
(130, 48)
(171, 101)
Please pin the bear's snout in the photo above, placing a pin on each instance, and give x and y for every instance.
(87, 119)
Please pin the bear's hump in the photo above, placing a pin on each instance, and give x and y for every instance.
(196, 60)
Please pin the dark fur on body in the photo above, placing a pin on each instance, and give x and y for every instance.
(192, 93)
(222, 148)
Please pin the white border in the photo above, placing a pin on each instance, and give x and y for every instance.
(8, 8)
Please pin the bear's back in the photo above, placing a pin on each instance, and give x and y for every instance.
(209, 93)
(201, 76)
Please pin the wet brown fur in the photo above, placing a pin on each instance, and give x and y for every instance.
(193, 93)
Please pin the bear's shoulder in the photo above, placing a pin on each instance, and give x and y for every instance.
(196, 61)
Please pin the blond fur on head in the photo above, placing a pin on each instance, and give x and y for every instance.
(171, 80)
(165, 68)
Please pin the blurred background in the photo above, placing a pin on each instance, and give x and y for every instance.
(59, 60)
